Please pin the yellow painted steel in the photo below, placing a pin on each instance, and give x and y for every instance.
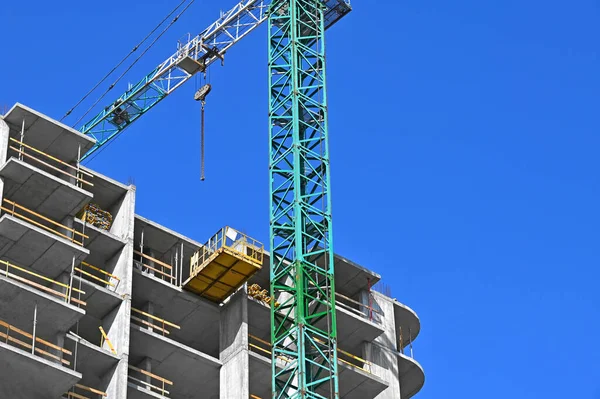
(224, 264)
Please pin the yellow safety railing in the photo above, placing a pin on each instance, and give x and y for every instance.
(5, 335)
(78, 172)
(151, 387)
(232, 240)
(94, 277)
(366, 367)
(12, 211)
(163, 322)
(104, 338)
(74, 394)
(10, 270)
(157, 263)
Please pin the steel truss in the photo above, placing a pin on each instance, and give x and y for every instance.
(303, 330)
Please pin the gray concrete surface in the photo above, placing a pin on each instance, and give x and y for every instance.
(40, 191)
(234, 375)
(25, 376)
(193, 373)
(412, 376)
(17, 303)
(30, 246)
(47, 134)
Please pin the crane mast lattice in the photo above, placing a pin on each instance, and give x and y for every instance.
(303, 326)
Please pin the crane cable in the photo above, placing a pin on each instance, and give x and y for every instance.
(135, 61)
(122, 61)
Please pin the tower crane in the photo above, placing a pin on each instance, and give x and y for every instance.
(301, 261)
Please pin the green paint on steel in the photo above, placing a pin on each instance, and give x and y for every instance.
(303, 327)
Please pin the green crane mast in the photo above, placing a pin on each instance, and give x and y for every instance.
(303, 325)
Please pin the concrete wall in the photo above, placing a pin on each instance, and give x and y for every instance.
(234, 378)
(120, 319)
(382, 351)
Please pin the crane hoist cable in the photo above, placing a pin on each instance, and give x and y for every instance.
(122, 61)
(135, 61)
(201, 96)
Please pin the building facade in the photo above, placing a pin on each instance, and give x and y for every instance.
(98, 302)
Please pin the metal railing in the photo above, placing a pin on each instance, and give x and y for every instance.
(163, 323)
(149, 385)
(254, 343)
(94, 277)
(20, 339)
(75, 171)
(12, 211)
(231, 240)
(78, 387)
(358, 308)
(169, 277)
(10, 270)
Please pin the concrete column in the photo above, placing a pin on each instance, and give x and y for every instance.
(382, 351)
(119, 321)
(148, 308)
(4, 135)
(233, 346)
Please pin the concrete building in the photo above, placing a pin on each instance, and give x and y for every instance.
(96, 301)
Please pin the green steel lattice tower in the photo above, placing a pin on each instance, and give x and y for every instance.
(303, 330)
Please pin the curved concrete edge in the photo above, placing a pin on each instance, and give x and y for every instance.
(412, 376)
(407, 318)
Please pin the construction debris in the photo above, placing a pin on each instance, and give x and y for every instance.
(255, 291)
(95, 216)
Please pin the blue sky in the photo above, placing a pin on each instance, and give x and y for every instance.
(464, 141)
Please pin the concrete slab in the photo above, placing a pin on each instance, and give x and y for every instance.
(350, 277)
(352, 329)
(406, 321)
(137, 392)
(100, 300)
(194, 374)
(197, 317)
(354, 383)
(93, 362)
(47, 134)
(412, 376)
(25, 376)
(107, 192)
(102, 244)
(162, 239)
(40, 191)
(33, 247)
(17, 303)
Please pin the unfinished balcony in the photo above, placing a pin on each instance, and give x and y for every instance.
(32, 366)
(45, 245)
(355, 378)
(153, 349)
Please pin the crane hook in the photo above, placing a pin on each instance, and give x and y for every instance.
(200, 95)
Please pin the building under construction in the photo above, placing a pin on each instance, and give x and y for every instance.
(98, 302)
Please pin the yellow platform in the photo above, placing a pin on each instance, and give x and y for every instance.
(224, 264)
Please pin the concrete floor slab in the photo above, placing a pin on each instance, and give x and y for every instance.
(40, 191)
(100, 301)
(412, 376)
(137, 392)
(47, 134)
(17, 303)
(352, 329)
(30, 246)
(354, 383)
(197, 317)
(194, 374)
(102, 244)
(93, 362)
(406, 321)
(25, 376)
